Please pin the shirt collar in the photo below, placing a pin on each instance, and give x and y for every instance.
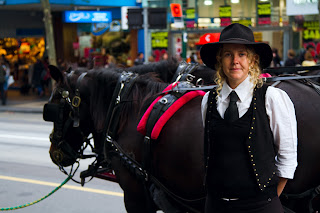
(243, 90)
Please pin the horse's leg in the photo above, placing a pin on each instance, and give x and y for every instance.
(135, 198)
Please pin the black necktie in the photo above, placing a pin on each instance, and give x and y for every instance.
(232, 113)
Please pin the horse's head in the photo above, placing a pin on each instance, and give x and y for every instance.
(68, 109)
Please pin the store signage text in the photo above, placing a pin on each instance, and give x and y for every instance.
(88, 16)
(264, 9)
(225, 11)
(264, 13)
(225, 15)
(190, 13)
(159, 40)
(246, 22)
(311, 30)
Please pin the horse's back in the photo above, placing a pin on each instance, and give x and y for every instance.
(307, 107)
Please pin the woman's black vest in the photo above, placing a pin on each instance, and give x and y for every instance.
(239, 156)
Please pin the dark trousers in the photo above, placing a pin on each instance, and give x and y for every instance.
(255, 205)
(3, 94)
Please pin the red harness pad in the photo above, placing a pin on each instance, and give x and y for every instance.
(168, 113)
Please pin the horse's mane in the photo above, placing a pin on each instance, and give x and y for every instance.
(165, 69)
(144, 90)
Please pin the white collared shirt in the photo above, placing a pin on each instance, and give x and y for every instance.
(281, 113)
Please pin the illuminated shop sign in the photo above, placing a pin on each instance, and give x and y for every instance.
(88, 16)
(225, 15)
(159, 40)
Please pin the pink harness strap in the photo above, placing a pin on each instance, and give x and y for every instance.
(167, 114)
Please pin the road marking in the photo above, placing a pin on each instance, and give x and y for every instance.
(25, 137)
(99, 191)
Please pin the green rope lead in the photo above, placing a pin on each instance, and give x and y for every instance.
(37, 201)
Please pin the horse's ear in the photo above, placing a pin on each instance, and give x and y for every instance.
(55, 73)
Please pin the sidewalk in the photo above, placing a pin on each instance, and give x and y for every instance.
(23, 103)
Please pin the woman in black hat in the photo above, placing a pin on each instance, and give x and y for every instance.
(250, 128)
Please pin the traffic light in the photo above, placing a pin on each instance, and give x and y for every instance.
(157, 18)
(135, 18)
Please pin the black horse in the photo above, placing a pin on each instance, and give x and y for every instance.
(177, 155)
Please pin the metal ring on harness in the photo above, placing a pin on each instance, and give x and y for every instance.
(163, 100)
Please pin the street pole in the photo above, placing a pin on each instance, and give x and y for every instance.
(146, 38)
(47, 19)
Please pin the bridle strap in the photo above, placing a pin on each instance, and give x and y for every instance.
(183, 71)
(123, 88)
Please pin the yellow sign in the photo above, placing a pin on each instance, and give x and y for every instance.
(257, 36)
(311, 30)
(245, 22)
(225, 11)
(311, 25)
(159, 40)
(190, 13)
(264, 9)
(311, 34)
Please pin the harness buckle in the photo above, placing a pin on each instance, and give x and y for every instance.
(76, 101)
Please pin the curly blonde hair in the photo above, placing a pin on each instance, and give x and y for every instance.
(254, 69)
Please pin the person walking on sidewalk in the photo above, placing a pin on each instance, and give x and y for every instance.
(3, 77)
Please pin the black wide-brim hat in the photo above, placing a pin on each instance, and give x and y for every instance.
(236, 34)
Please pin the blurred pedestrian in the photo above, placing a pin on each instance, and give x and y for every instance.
(140, 59)
(291, 60)
(2, 82)
(276, 58)
(38, 73)
(308, 60)
(310, 48)
(83, 62)
(151, 59)
(164, 56)
(111, 62)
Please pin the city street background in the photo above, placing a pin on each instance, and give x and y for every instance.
(27, 172)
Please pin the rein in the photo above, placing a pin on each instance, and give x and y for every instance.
(312, 193)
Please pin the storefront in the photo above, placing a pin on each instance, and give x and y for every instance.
(267, 18)
(99, 37)
(21, 41)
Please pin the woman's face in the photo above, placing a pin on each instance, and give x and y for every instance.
(235, 63)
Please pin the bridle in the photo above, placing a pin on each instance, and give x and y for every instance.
(63, 121)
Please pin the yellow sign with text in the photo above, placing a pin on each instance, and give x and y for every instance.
(264, 9)
(190, 13)
(159, 40)
(225, 11)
